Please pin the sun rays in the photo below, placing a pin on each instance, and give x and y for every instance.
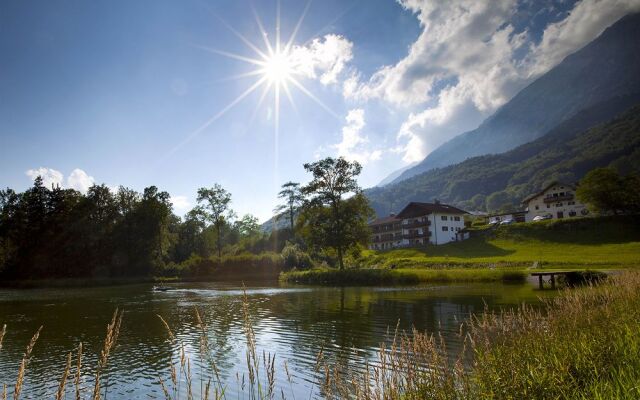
(277, 68)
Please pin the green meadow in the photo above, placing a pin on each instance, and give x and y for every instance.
(504, 253)
(603, 242)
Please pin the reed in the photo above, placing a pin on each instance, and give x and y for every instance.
(23, 364)
(76, 380)
(113, 330)
(63, 380)
(581, 345)
(2, 333)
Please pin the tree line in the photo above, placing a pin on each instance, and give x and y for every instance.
(62, 233)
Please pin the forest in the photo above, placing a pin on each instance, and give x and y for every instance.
(50, 233)
(55, 232)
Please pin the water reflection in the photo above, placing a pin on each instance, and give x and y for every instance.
(292, 322)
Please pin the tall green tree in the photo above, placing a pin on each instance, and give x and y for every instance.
(605, 190)
(293, 199)
(214, 205)
(149, 231)
(329, 218)
(247, 226)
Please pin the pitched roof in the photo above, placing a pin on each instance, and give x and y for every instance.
(554, 183)
(384, 220)
(415, 209)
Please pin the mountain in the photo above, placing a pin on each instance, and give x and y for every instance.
(501, 181)
(392, 176)
(276, 222)
(606, 68)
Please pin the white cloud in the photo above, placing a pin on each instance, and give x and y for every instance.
(180, 203)
(50, 177)
(353, 145)
(77, 179)
(468, 61)
(462, 40)
(324, 58)
(587, 20)
(80, 180)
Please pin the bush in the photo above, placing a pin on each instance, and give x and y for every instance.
(294, 257)
(265, 265)
(577, 278)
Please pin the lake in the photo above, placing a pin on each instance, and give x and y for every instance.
(292, 322)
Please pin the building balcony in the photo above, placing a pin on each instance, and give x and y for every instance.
(554, 199)
(416, 224)
(416, 235)
(385, 228)
(386, 238)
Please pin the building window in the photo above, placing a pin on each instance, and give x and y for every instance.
(445, 228)
(558, 204)
(444, 217)
(571, 203)
(548, 205)
(456, 218)
(572, 213)
(537, 207)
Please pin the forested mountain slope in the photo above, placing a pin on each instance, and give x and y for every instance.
(606, 68)
(501, 181)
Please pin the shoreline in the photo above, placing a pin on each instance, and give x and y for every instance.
(331, 277)
(414, 276)
(64, 283)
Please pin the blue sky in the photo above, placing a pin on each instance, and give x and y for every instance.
(123, 92)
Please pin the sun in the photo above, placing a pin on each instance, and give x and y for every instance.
(278, 68)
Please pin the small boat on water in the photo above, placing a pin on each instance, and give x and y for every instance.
(161, 288)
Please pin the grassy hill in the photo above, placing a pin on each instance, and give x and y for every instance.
(501, 181)
(596, 242)
(504, 253)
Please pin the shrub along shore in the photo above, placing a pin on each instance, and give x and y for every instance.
(407, 276)
(404, 276)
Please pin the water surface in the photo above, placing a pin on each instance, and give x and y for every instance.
(292, 322)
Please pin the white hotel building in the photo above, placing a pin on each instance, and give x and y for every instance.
(557, 200)
(419, 224)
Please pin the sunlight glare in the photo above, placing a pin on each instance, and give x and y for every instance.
(278, 68)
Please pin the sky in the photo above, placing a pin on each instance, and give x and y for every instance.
(186, 94)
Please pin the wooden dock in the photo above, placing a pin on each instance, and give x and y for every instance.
(551, 275)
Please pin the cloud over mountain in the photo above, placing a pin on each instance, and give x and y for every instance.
(472, 57)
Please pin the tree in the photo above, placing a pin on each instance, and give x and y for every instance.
(605, 190)
(214, 207)
(293, 199)
(329, 219)
(498, 200)
(247, 226)
(148, 230)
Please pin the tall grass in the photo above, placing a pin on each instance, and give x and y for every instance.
(581, 345)
(404, 276)
(584, 344)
